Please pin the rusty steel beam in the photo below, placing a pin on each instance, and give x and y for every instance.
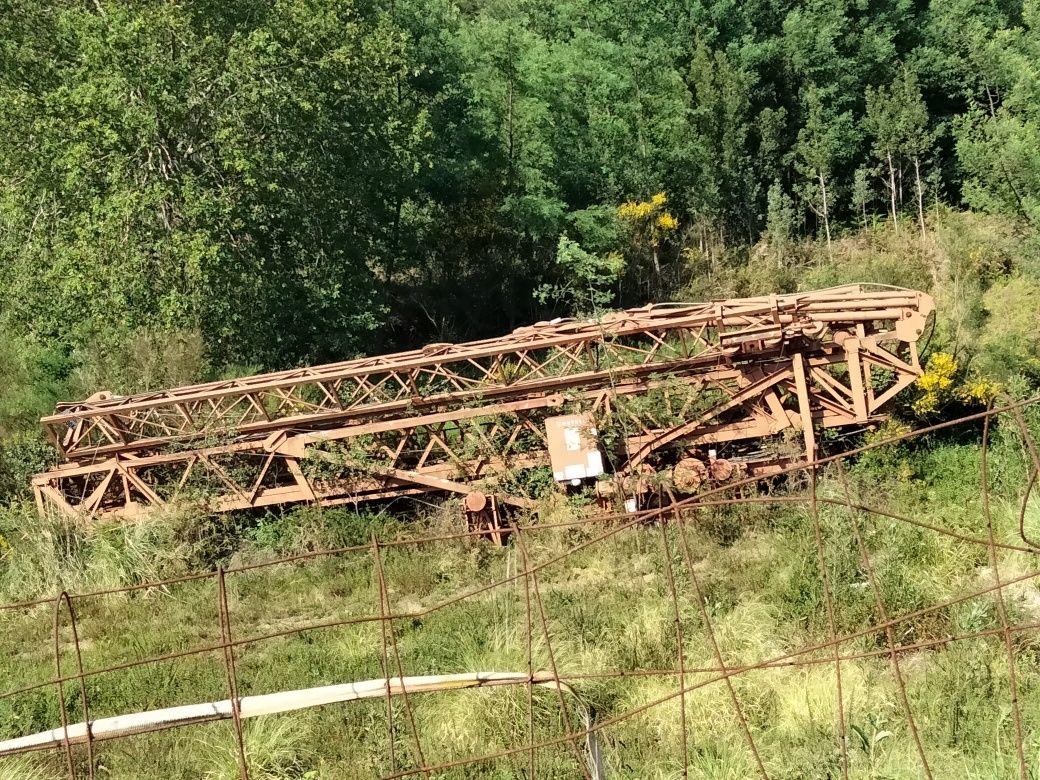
(547, 357)
(677, 386)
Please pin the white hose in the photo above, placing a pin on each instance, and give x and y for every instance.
(288, 701)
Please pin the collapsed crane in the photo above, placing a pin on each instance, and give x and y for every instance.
(687, 393)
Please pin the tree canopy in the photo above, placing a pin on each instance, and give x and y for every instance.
(298, 180)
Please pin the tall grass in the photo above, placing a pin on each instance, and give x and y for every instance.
(44, 556)
(608, 608)
(27, 768)
(276, 748)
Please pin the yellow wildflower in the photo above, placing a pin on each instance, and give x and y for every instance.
(936, 382)
(980, 391)
(634, 211)
(658, 200)
(667, 222)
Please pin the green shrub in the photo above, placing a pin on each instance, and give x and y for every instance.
(22, 455)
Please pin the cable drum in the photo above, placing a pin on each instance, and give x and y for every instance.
(689, 474)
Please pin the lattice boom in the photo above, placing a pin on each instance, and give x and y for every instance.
(672, 381)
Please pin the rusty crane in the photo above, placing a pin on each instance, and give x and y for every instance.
(694, 392)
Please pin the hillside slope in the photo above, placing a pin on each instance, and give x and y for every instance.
(604, 590)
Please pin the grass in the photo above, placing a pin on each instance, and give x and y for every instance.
(608, 608)
(275, 747)
(22, 768)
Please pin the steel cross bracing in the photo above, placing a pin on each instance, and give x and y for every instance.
(447, 416)
(531, 360)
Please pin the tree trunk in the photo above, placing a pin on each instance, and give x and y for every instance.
(826, 214)
(509, 128)
(892, 190)
(920, 192)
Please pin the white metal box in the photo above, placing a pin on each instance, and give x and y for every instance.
(573, 448)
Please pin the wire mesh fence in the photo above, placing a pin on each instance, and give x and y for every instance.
(558, 722)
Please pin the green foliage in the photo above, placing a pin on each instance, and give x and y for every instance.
(897, 121)
(34, 378)
(135, 362)
(259, 187)
(780, 216)
(727, 189)
(997, 140)
(273, 748)
(823, 145)
(190, 191)
(316, 528)
(47, 555)
(26, 769)
(586, 278)
(1010, 340)
(171, 183)
(861, 195)
(608, 608)
(21, 456)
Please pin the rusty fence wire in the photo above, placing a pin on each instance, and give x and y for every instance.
(673, 519)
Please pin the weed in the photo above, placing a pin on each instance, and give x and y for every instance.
(273, 750)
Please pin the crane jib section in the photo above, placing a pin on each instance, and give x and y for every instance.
(664, 387)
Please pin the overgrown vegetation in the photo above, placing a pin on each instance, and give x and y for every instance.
(608, 606)
(263, 184)
(608, 609)
(171, 211)
(190, 191)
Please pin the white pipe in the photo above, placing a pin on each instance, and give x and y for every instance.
(285, 701)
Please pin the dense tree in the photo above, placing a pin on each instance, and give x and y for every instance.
(823, 144)
(725, 192)
(999, 138)
(302, 180)
(897, 121)
(162, 175)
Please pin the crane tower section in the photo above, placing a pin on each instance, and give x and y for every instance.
(694, 392)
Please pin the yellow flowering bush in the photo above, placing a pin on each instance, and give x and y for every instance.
(939, 385)
(667, 222)
(649, 215)
(980, 391)
(887, 430)
(936, 382)
(635, 212)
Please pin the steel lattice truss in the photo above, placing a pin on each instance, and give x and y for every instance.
(667, 380)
